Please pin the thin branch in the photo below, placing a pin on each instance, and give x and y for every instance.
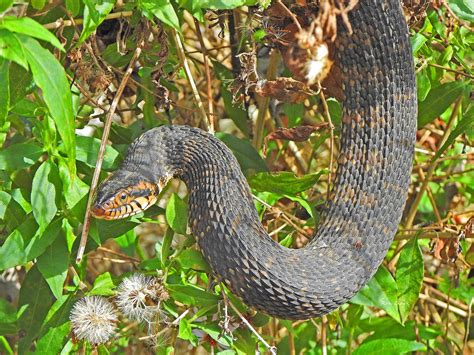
(451, 70)
(264, 102)
(331, 141)
(292, 15)
(443, 305)
(103, 145)
(205, 55)
(272, 349)
(68, 23)
(414, 206)
(197, 98)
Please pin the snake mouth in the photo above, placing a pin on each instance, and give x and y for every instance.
(127, 202)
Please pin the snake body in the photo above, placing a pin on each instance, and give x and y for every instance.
(365, 205)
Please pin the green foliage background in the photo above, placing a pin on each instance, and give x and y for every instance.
(48, 89)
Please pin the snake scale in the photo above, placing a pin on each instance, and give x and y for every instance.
(364, 207)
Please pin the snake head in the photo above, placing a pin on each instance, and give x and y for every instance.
(124, 194)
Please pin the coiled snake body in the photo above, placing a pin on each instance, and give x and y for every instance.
(365, 206)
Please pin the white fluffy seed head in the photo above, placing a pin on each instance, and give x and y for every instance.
(139, 297)
(93, 318)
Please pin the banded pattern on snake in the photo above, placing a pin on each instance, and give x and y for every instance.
(365, 205)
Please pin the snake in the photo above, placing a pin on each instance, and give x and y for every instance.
(361, 214)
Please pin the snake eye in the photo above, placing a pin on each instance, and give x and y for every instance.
(123, 197)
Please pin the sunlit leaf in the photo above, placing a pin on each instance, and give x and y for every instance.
(19, 156)
(162, 9)
(36, 294)
(29, 27)
(50, 76)
(53, 264)
(285, 183)
(409, 277)
(388, 347)
(94, 13)
(43, 195)
(381, 292)
(438, 100)
(177, 214)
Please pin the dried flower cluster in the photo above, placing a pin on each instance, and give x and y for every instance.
(93, 318)
(139, 297)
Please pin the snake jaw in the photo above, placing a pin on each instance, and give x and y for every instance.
(128, 201)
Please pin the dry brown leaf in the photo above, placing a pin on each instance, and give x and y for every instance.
(295, 134)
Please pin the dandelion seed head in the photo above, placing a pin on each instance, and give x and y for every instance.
(93, 318)
(139, 297)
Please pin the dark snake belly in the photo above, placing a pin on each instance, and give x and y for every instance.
(366, 203)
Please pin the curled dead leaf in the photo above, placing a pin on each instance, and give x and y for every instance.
(295, 134)
(283, 89)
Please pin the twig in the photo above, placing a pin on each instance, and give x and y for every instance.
(331, 142)
(197, 98)
(292, 15)
(100, 156)
(208, 74)
(68, 23)
(468, 326)
(324, 324)
(265, 102)
(414, 206)
(287, 218)
(444, 305)
(451, 70)
(106, 250)
(181, 316)
(252, 329)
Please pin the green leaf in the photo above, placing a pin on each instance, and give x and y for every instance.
(186, 333)
(12, 251)
(390, 346)
(423, 84)
(284, 183)
(247, 156)
(466, 122)
(87, 149)
(11, 49)
(177, 214)
(463, 8)
(73, 6)
(225, 4)
(36, 294)
(53, 264)
(5, 4)
(19, 156)
(438, 100)
(409, 277)
(94, 13)
(192, 295)
(4, 89)
(417, 41)
(8, 318)
(43, 195)
(74, 189)
(4, 201)
(165, 249)
(193, 259)
(38, 4)
(50, 76)
(381, 292)
(55, 331)
(237, 114)
(29, 27)
(103, 285)
(42, 239)
(162, 9)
